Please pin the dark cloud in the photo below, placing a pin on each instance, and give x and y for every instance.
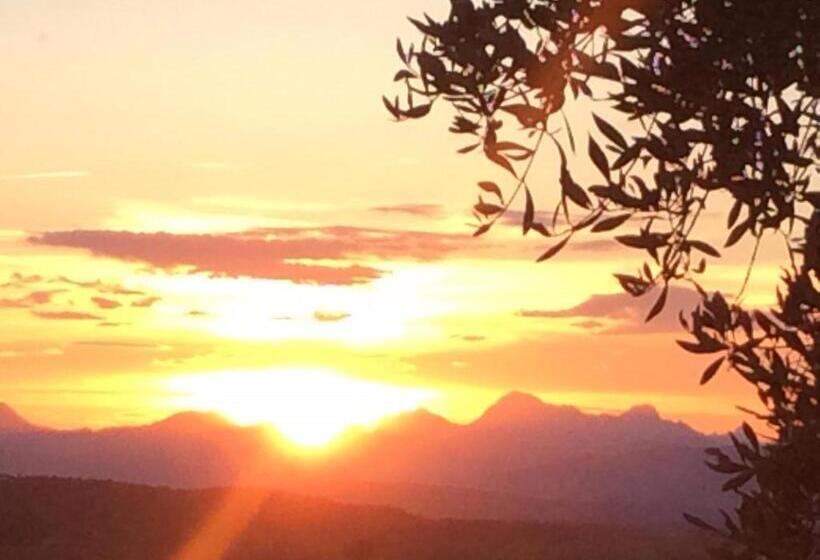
(421, 210)
(329, 317)
(105, 303)
(67, 315)
(264, 253)
(32, 299)
(197, 313)
(627, 313)
(146, 302)
(473, 338)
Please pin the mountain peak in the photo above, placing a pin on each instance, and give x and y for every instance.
(191, 421)
(10, 421)
(420, 419)
(646, 411)
(519, 407)
(520, 399)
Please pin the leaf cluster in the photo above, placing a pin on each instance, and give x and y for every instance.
(718, 97)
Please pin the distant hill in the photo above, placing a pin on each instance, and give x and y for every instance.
(48, 518)
(10, 421)
(521, 460)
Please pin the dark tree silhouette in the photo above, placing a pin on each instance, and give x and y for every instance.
(696, 101)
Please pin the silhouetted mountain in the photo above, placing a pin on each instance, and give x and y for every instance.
(192, 422)
(10, 421)
(420, 420)
(642, 411)
(47, 518)
(522, 459)
(516, 407)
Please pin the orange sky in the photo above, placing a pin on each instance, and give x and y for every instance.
(194, 190)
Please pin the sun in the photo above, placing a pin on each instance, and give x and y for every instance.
(309, 407)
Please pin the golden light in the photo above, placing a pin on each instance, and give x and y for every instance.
(310, 407)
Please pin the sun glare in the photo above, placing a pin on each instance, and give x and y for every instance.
(309, 407)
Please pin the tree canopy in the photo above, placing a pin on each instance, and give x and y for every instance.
(720, 98)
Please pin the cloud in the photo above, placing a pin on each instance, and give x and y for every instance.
(99, 286)
(197, 313)
(39, 297)
(274, 253)
(589, 324)
(421, 210)
(18, 280)
(587, 244)
(219, 165)
(105, 303)
(625, 314)
(473, 338)
(329, 317)
(11, 303)
(29, 350)
(146, 302)
(44, 175)
(83, 300)
(66, 315)
(117, 344)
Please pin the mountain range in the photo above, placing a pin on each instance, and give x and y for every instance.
(522, 459)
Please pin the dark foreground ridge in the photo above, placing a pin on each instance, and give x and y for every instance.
(70, 519)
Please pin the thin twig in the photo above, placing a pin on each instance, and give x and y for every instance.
(749, 268)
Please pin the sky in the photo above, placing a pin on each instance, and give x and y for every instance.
(205, 205)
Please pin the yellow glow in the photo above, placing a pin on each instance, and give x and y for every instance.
(309, 407)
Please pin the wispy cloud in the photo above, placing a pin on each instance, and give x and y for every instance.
(44, 175)
(274, 253)
(105, 303)
(329, 316)
(197, 313)
(623, 313)
(117, 344)
(78, 299)
(589, 324)
(67, 315)
(219, 165)
(421, 210)
(17, 280)
(99, 286)
(146, 302)
(472, 337)
(32, 299)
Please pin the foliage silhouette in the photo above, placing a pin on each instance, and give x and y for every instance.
(720, 103)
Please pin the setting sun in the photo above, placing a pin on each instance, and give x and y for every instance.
(310, 407)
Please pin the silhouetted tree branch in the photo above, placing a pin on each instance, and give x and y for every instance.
(720, 97)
